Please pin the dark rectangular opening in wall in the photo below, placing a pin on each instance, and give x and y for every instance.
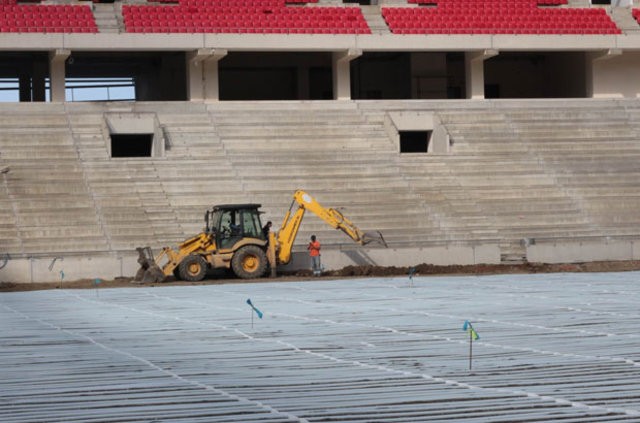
(131, 145)
(414, 141)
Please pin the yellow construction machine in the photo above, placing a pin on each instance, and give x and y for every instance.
(233, 239)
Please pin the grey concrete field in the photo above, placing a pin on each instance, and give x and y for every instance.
(552, 347)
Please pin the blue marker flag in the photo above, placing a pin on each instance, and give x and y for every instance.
(258, 312)
(412, 272)
(472, 332)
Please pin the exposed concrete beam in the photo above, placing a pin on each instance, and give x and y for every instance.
(482, 55)
(59, 55)
(342, 72)
(606, 54)
(206, 54)
(347, 55)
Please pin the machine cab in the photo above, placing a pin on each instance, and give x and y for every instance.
(230, 223)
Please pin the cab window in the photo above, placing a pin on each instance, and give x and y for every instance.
(250, 224)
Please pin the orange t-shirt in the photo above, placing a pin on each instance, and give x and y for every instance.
(314, 249)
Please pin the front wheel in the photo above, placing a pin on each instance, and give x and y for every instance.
(249, 262)
(192, 268)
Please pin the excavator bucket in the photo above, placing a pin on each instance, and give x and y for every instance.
(149, 271)
(374, 237)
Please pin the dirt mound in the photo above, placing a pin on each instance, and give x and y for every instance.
(351, 271)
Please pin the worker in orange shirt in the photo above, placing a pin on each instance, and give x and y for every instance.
(314, 253)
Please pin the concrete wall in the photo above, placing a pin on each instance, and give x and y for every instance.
(440, 255)
(48, 269)
(574, 252)
(69, 268)
(616, 77)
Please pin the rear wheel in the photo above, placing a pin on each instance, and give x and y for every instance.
(192, 268)
(249, 262)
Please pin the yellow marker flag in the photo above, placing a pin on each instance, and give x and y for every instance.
(472, 332)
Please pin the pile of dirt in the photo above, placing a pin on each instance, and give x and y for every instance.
(350, 271)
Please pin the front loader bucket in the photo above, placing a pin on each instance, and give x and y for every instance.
(149, 271)
(374, 237)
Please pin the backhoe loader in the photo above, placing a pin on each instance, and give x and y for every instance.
(233, 239)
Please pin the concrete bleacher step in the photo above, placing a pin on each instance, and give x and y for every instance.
(517, 169)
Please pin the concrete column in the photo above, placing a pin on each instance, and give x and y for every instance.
(474, 72)
(342, 73)
(594, 59)
(211, 74)
(57, 71)
(202, 73)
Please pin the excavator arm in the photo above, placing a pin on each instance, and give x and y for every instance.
(291, 224)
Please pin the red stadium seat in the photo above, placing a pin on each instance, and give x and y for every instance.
(500, 16)
(252, 16)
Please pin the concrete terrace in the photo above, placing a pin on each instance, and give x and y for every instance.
(554, 171)
(552, 347)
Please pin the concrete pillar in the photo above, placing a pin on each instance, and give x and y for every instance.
(474, 72)
(202, 74)
(342, 73)
(593, 59)
(57, 73)
(211, 74)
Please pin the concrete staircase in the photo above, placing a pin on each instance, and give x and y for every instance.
(373, 16)
(517, 171)
(520, 173)
(108, 17)
(160, 200)
(330, 151)
(624, 20)
(45, 201)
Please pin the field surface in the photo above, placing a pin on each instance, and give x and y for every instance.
(552, 347)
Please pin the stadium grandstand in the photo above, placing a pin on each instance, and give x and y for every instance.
(466, 131)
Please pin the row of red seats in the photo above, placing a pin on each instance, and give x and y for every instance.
(237, 3)
(545, 13)
(505, 3)
(229, 10)
(46, 28)
(45, 8)
(47, 18)
(552, 2)
(501, 25)
(513, 21)
(146, 10)
(244, 19)
(243, 30)
(559, 21)
(496, 31)
(493, 7)
(247, 21)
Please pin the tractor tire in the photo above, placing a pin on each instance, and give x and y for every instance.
(249, 262)
(192, 268)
